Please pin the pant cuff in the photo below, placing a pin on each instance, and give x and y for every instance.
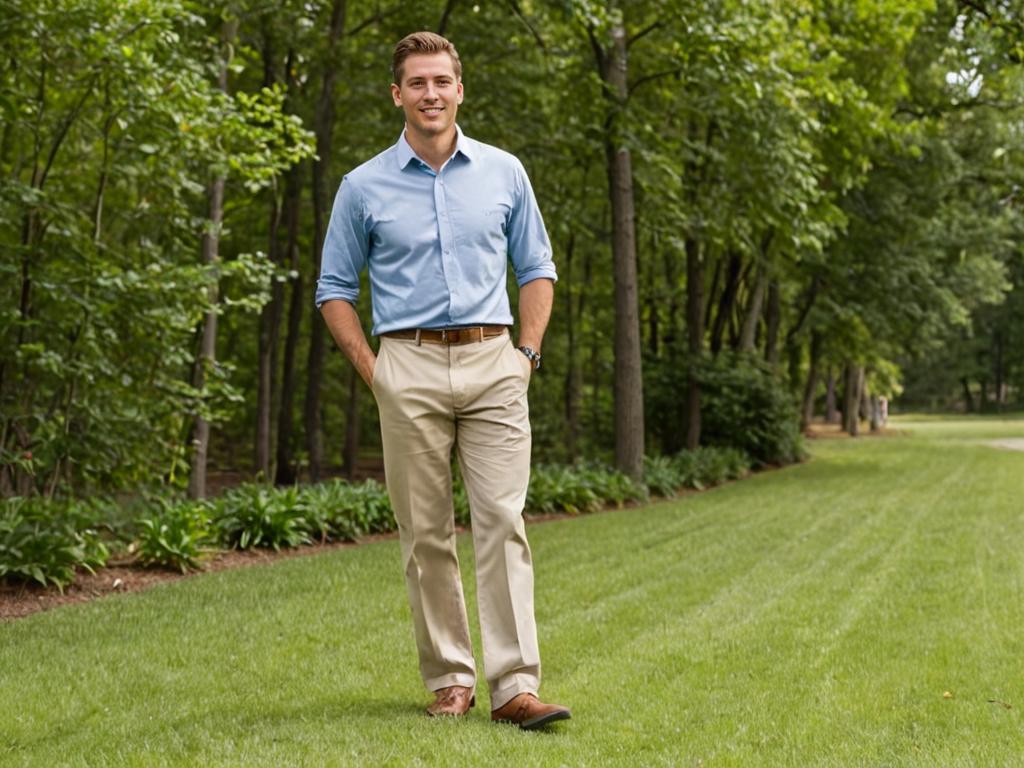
(445, 681)
(520, 684)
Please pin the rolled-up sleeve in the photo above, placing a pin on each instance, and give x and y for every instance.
(346, 247)
(529, 248)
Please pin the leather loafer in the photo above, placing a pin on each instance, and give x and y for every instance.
(454, 701)
(528, 712)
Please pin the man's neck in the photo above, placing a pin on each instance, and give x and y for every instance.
(434, 150)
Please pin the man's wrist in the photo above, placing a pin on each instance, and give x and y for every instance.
(531, 354)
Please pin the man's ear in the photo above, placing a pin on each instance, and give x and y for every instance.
(396, 95)
(460, 92)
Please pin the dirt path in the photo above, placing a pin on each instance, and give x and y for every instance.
(1009, 444)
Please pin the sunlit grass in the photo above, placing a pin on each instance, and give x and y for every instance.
(864, 608)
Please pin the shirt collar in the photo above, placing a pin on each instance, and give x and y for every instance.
(405, 153)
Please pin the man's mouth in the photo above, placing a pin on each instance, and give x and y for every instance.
(432, 110)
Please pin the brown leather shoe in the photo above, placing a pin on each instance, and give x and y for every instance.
(454, 700)
(528, 712)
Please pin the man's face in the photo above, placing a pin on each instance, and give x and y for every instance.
(429, 93)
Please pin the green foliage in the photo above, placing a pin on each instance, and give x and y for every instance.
(176, 535)
(703, 468)
(113, 124)
(576, 490)
(746, 406)
(340, 511)
(46, 542)
(258, 516)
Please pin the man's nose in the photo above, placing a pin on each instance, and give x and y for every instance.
(431, 91)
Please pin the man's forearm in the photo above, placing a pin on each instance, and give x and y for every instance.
(344, 325)
(535, 300)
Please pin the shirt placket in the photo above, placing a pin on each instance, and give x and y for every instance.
(447, 237)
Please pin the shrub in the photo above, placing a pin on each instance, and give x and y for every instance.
(702, 468)
(661, 476)
(175, 536)
(258, 516)
(576, 490)
(46, 542)
(743, 405)
(337, 510)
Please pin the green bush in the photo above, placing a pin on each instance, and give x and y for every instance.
(702, 468)
(661, 476)
(46, 541)
(176, 535)
(259, 516)
(340, 511)
(743, 405)
(576, 490)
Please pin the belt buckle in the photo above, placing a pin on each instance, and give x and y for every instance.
(444, 335)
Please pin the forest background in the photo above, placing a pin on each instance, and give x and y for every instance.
(761, 211)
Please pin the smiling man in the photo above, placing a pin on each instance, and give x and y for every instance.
(437, 218)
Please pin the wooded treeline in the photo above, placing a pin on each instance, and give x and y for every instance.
(761, 211)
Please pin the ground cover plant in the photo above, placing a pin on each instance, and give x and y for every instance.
(45, 542)
(862, 608)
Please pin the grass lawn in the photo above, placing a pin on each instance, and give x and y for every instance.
(864, 608)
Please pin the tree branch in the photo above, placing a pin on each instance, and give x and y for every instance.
(655, 76)
(518, 11)
(445, 16)
(642, 33)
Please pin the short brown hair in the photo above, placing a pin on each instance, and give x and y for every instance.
(422, 42)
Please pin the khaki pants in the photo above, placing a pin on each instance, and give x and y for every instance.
(472, 396)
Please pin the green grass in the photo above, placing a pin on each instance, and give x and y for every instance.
(809, 616)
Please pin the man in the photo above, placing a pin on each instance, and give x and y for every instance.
(436, 218)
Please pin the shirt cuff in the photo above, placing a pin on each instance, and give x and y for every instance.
(325, 293)
(535, 273)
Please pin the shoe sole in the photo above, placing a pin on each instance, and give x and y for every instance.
(540, 721)
(472, 703)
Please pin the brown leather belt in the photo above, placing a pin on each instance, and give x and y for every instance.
(449, 335)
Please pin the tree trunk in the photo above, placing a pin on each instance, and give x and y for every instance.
(748, 335)
(323, 126)
(269, 331)
(695, 340)
(573, 383)
(270, 315)
(727, 302)
(351, 452)
(864, 408)
(807, 411)
(997, 370)
(968, 400)
(210, 255)
(831, 412)
(851, 400)
(876, 413)
(285, 470)
(772, 321)
(629, 393)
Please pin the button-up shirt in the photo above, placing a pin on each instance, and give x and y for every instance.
(437, 243)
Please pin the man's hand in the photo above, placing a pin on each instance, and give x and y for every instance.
(535, 300)
(344, 325)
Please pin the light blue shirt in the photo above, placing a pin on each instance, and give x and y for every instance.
(437, 244)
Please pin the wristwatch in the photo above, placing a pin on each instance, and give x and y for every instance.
(531, 355)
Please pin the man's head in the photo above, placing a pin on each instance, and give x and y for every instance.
(427, 83)
(419, 43)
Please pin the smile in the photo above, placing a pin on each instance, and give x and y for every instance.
(432, 110)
